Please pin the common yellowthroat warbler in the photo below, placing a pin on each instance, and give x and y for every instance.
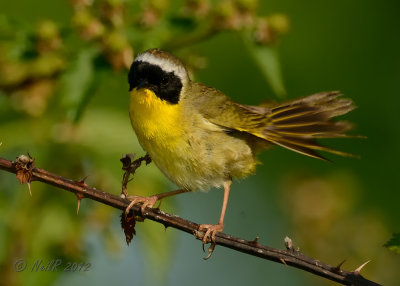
(199, 138)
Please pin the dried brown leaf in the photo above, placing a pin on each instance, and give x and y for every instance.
(128, 223)
(24, 166)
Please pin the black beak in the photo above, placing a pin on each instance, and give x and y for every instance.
(141, 84)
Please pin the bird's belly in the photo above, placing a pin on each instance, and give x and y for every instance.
(181, 164)
(201, 161)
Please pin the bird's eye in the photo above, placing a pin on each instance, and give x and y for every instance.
(165, 80)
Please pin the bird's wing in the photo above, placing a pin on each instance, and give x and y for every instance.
(219, 109)
(294, 124)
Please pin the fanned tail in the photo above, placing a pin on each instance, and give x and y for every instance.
(297, 124)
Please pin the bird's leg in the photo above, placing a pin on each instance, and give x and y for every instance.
(213, 229)
(150, 201)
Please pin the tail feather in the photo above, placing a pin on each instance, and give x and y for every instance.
(314, 129)
(305, 146)
(297, 124)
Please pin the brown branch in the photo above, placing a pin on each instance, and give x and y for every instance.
(289, 257)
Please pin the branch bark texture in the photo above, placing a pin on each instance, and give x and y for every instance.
(289, 257)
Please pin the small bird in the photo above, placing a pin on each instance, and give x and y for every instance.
(199, 138)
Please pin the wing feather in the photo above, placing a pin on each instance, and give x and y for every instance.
(294, 125)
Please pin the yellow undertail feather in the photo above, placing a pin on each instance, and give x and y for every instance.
(297, 124)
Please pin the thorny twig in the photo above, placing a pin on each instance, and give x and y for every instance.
(289, 257)
(130, 168)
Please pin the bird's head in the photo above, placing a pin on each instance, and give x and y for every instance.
(160, 73)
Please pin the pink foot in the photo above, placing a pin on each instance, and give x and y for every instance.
(147, 202)
(211, 231)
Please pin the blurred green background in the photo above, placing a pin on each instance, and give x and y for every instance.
(63, 98)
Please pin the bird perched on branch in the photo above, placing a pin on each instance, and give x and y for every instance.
(199, 138)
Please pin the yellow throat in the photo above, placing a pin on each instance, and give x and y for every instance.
(154, 119)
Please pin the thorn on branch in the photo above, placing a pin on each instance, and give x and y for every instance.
(82, 182)
(358, 270)
(79, 195)
(338, 268)
(24, 166)
(255, 240)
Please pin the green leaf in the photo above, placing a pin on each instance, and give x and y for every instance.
(267, 59)
(394, 243)
(77, 81)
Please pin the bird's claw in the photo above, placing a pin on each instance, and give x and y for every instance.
(146, 202)
(209, 236)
